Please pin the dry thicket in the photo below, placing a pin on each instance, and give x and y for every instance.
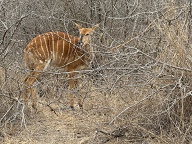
(139, 89)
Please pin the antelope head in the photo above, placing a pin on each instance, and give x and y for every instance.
(85, 34)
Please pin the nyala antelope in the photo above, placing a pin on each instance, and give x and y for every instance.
(61, 50)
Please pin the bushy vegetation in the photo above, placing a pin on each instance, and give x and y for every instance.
(138, 91)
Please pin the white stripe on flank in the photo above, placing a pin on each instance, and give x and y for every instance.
(49, 40)
(63, 48)
(68, 54)
(36, 54)
(42, 46)
(57, 53)
(46, 45)
(52, 34)
(74, 44)
(37, 48)
(47, 64)
(49, 45)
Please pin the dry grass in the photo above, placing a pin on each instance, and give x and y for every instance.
(176, 58)
(149, 102)
(92, 125)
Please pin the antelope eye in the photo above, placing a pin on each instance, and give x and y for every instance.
(87, 34)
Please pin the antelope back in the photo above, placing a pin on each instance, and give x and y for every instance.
(55, 46)
(62, 49)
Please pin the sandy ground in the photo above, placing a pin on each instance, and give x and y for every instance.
(65, 127)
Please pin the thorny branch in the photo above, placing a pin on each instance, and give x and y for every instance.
(16, 24)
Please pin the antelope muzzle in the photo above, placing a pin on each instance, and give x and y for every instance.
(80, 42)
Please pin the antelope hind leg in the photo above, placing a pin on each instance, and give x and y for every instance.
(29, 93)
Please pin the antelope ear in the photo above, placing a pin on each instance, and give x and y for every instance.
(77, 25)
(95, 26)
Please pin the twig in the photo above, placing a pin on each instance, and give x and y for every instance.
(136, 103)
(110, 133)
(151, 133)
(48, 105)
(52, 110)
(146, 29)
(6, 112)
(17, 24)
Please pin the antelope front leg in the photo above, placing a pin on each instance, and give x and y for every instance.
(79, 97)
(72, 83)
(71, 88)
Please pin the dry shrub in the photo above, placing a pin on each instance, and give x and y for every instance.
(174, 74)
(2, 76)
(162, 108)
(132, 96)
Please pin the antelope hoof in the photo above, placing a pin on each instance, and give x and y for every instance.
(72, 108)
(80, 106)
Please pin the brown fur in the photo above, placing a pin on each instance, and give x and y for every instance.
(59, 50)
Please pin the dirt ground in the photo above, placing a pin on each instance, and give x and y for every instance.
(69, 127)
(66, 126)
(100, 121)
